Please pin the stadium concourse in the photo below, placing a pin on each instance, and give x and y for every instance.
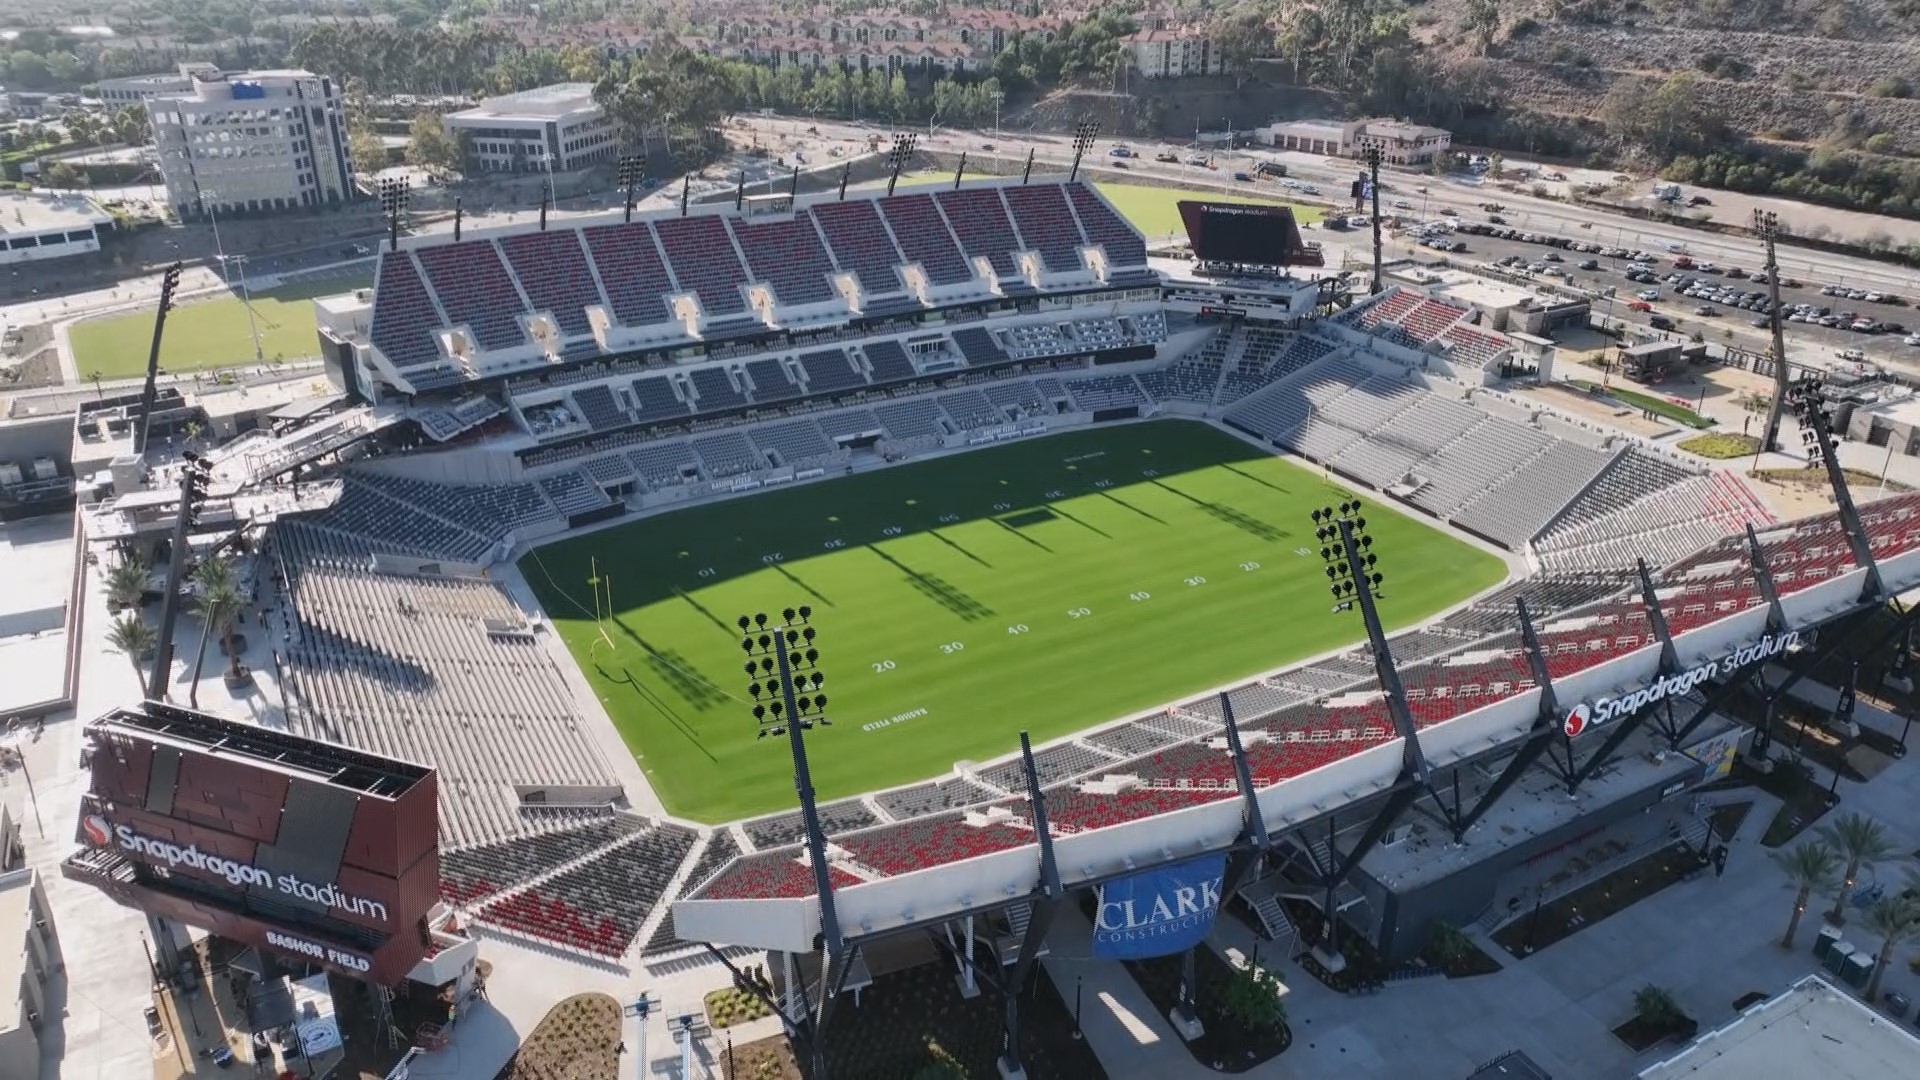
(515, 386)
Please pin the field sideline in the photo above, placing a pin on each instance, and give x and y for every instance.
(203, 335)
(1047, 585)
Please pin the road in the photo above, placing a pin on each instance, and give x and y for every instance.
(1333, 177)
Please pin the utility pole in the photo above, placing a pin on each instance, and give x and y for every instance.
(1373, 185)
(1767, 224)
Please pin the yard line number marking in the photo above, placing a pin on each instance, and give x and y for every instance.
(882, 666)
(1079, 612)
(1017, 628)
(948, 648)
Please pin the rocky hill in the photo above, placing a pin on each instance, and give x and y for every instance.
(1810, 72)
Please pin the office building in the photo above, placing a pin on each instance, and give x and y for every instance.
(253, 142)
(137, 88)
(549, 129)
(29, 957)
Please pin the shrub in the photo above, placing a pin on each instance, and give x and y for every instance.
(1252, 999)
(1447, 944)
(1655, 1007)
(1891, 86)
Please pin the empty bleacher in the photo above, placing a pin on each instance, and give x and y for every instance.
(553, 270)
(850, 424)
(1020, 396)
(475, 290)
(635, 278)
(788, 828)
(662, 465)
(1514, 511)
(405, 318)
(490, 511)
(889, 362)
(1663, 527)
(726, 453)
(977, 346)
(925, 238)
(979, 221)
(475, 872)
(788, 256)
(654, 400)
(861, 242)
(829, 371)
(1106, 228)
(910, 419)
(702, 256)
(714, 391)
(412, 667)
(572, 493)
(599, 905)
(596, 406)
(796, 442)
(771, 383)
(1106, 392)
(970, 410)
(1044, 219)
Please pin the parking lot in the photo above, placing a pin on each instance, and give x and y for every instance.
(1694, 296)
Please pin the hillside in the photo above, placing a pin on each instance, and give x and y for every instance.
(1792, 71)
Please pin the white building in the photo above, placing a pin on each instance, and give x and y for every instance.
(252, 142)
(549, 129)
(29, 958)
(1400, 142)
(134, 88)
(35, 227)
(1172, 54)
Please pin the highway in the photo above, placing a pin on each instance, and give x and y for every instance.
(1333, 177)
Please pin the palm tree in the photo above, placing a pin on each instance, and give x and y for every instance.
(132, 637)
(1863, 842)
(1894, 920)
(1810, 868)
(127, 584)
(219, 601)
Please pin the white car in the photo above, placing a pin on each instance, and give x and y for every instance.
(1671, 246)
(1196, 159)
(1648, 295)
(1913, 339)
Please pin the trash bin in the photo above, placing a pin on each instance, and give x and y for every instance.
(1896, 1004)
(1836, 959)
(1859, 966)
(1823, 943)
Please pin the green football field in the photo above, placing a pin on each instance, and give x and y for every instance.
(1046, 585)
(203, 335)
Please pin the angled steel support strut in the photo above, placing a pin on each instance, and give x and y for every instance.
(1548, 724)
(1669, 663)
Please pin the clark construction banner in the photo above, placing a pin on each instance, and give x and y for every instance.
(1159, 912)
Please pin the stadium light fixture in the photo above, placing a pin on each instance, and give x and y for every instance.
(898, 157)
(395, 193)
(1083, 136)
(632, 168)
(1347, 549)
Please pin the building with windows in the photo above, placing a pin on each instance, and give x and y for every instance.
(137, 88)
(548, 129)
(1173, 54)
(35, 227)
(1400, 142)
(253, 142)
(29, 957)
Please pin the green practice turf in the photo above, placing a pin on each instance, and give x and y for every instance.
(1155, 210)
(206, 334)
(1047, 585)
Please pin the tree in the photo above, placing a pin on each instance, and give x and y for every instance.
(430, 145)
(28, 69)
(1483, 18)
(131, 637)
(61, 176)
(1241, 38)
(219, 602)
(1252, 999)
(1895, 920)
(369, 154)
(1862, 842)
(1654, 1006)
(127, 584)
(1810, 868)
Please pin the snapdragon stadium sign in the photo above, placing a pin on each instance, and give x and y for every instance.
(1675, 684)
(101, 832)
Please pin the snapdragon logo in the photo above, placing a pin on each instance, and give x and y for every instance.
(1676, 684)
(233, 872)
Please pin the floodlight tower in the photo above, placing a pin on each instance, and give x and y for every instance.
(169, 281)
(395, 193)
(1808, 400)
(898, 157)
(1083, 136)
(783, 666)
(1373, 188)
(1767, 224)
(632, 168)
(194, 473)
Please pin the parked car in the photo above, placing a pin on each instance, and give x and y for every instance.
(1649, 294)
(1167, 157)
(1589, 264)
(1706, 309)
(1496, 219)
(1660, 322)
(1243, 177)
(1699, 200)
(1639, 305)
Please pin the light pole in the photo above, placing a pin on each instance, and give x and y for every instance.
(783, 667)
(207, 199)
(1083, 137)
(642, 1007)
(998, 97)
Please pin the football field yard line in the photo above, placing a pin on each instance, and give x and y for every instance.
(1047, 585)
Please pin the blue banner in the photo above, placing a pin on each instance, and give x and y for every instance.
(1159, 912)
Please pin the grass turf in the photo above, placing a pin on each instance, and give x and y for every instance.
(1045, 585)
(206, 334)
(1155, 212)
(1659, 406)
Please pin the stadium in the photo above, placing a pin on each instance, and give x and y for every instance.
(1058, 520)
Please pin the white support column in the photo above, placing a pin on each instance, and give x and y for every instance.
(793, 986)
(969, 987)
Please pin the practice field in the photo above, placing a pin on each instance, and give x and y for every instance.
(1155, 210)
(1046, 585)
(206, 334)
